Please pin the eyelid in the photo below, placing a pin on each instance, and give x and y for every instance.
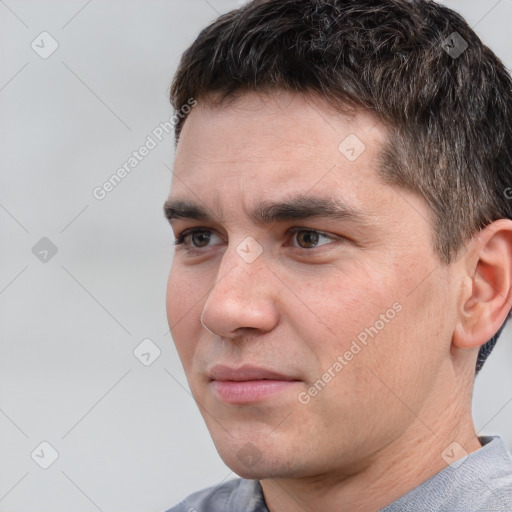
(299, 228)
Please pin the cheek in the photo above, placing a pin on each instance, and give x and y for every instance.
(334, 308)
(184, 306)
(365, 315)
(184, 290)
(402, 330)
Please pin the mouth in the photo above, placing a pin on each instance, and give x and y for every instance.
(248, 384)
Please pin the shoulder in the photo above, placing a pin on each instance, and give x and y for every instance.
(234, 495)
(481, 481)
(492, 476)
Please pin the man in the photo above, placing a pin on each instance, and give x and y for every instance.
(343, 254)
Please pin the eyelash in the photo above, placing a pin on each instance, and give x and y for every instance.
(180, 239)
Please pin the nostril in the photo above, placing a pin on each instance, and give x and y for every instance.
(209, 330)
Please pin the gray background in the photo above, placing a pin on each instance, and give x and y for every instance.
(129, 436)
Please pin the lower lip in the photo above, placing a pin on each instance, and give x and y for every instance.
(240, 392)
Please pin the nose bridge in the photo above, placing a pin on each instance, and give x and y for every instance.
(238, 274)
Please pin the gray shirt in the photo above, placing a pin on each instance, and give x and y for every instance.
(480, 482)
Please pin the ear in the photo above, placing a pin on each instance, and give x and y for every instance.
(486, 292)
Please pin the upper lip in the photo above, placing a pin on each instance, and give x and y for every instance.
(246, 372)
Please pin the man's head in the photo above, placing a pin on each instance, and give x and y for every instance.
(345, 173)
(450, 118)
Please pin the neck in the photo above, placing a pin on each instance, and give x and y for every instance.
(390, 473)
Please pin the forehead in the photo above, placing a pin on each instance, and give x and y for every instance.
(261, 146)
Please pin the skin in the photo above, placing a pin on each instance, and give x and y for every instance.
(380, 426)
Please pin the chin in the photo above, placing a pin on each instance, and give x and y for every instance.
(248, 461)
(251, 473)
(259, 471)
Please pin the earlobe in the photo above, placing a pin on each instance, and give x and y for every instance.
(486, 297)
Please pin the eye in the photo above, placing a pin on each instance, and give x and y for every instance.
(197, 238)
(310, 238)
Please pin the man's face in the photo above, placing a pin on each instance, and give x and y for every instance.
(334, 328)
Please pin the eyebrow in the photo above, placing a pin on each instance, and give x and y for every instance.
(267, 212)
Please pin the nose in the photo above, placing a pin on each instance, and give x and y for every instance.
(243, 297)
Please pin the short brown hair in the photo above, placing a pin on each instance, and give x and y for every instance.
(415, 64)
